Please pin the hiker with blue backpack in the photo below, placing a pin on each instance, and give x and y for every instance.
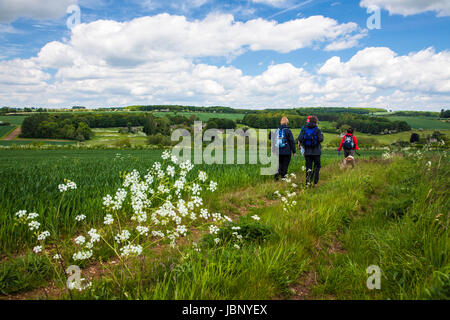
(285, 147)
(310, 140)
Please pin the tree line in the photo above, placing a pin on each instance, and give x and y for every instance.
(361, 123)
(49, 126)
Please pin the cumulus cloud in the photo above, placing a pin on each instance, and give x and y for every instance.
(165, 36)
(410, 7)
(108, 63)
(11, 10)
(424, 71)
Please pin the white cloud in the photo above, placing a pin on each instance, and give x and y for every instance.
(410, 7)
(167, 36)
(10, 10)
(275, 3)
(151, 60)
(424, 71)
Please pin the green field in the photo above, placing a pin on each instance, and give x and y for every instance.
(203, 116)
(20, 142)
(14, 120)
(4, 130)
(425, 123)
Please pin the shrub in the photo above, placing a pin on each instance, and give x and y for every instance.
(159, 139)
(123, 143)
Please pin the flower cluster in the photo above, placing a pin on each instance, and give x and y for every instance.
(287, 197)
(160, 205)
(67, 185)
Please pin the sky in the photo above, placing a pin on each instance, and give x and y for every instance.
(250, 54)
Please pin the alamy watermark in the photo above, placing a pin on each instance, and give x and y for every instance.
(75, 16)
(74, 281)
(227, 146)
(374, 280)
(374, 21)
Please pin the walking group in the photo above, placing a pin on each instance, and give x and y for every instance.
(309, 142)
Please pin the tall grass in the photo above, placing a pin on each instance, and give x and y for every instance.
(29, 181)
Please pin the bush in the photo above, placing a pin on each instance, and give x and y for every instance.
(159, 139)
(123, 143)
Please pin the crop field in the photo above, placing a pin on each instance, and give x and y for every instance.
(203, 116)
(425, 123)
(110, 136)
(4, 130)
(14, 120)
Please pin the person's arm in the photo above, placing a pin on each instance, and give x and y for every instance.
(300, 137)
(320, 135)
(355, 141)
(292, 142)
(342, 142)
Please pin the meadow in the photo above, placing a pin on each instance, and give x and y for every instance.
(425, 123)
(5, 130)
(389, 211)
(14, 120)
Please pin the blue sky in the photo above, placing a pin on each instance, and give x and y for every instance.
(252, 53)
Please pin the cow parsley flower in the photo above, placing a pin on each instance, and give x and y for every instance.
(21, 214)
(82, 255)
(108, 220)
(95, 237)
(202, 176)
(212, 186)
(120, 237)
(44, 235)
(143, 231)
(80, 217)
(57, 257)
(32, 216)
(34, 225)
(255, 217)
(131, 249)
(170, 171)
(37, 249)
(165, 155)
(80, 240)
(213, 229)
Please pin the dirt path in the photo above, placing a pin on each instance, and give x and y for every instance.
(14, 134)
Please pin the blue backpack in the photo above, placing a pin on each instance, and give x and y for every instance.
(348, 143)
(280, 142)
(310, 137)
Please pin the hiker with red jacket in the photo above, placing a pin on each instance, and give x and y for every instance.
(349, 143)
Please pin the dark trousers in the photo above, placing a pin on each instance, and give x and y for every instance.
(349, 152)
(312, 173)
(283, 165)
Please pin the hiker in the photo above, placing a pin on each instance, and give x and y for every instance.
(310, 140)
(349, 143)
(285, 144)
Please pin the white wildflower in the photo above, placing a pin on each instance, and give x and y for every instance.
(80, 240)
(120, 237)
(34, 225)
(44, 235)
(37, 249)
(21, 214)
(142, 230)
(80, 217)
(108, 220)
